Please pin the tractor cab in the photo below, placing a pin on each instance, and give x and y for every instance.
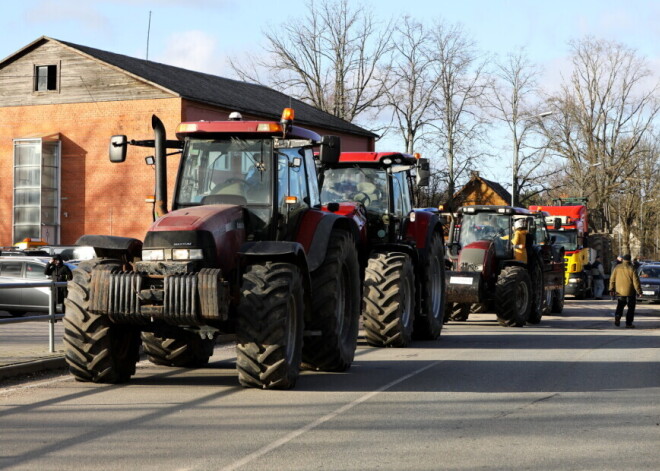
(382, 182)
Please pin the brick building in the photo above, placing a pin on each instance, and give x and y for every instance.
(61, 102)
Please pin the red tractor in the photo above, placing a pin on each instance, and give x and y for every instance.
(246, 249)
(402, 249)
(488, 277)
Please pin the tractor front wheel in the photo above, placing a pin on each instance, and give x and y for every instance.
(513, 293)
(95, 348)
(389, 300)
(269, 328)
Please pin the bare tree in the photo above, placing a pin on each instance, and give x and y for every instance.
(602, 114)
(514, 101)
(412, 80)
(459, 125)
(330, 58)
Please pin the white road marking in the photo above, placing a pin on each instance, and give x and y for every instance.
(312, 425)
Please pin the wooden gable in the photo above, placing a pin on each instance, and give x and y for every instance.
(481, 191)
(79, 78)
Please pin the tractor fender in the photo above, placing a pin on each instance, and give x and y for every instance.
(420, 228)
(394, 247)
(252, 253)
(321, 229)
(105, 246)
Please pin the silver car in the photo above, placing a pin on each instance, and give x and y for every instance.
(18, 301)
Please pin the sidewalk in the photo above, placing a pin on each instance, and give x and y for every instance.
(24, 348)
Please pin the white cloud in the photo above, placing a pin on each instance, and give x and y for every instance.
(193, 50)
(83, 16)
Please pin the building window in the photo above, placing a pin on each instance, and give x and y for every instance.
(36, 190)
(45, 78)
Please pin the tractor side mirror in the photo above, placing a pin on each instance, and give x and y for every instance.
(117, 149)
(423, 172)
(330, 149)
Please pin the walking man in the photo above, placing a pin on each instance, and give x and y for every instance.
(624, 281)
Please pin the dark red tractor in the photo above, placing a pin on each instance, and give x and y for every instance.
(246, 249)
(487, 277)
(401, 250)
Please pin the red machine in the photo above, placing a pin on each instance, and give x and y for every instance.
(401, 248)
(246, 249)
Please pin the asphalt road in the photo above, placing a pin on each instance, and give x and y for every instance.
(574, 392)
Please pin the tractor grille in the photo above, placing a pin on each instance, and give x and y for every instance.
(182, 299)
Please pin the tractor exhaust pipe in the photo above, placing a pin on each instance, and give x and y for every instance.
(160, 145)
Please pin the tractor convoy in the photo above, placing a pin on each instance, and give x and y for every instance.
(276, 236)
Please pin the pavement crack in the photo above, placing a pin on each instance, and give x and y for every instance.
(525, 406)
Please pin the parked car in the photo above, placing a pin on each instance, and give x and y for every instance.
(649, 277)
(17, 269)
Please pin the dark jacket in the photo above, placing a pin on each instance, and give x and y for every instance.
(58, 272)
(625, 280)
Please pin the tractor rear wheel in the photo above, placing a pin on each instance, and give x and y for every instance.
(269, 326)
(431, 311)
(185, 349)
(513, 294)
(460, 312)
(95, 348)
(335, 307)
(389, 300)
(557, 305)
(536, 310)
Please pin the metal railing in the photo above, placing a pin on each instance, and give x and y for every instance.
(52, 315)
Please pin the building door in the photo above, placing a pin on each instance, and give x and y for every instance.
(37, 190)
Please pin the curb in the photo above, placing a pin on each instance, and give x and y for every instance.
(56, 363)
(30, 367)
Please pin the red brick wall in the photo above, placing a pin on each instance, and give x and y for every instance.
(98, 197)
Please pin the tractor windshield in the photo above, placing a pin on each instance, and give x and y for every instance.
(228, 171)
(363, 185)
(566, 238)
(486, 226)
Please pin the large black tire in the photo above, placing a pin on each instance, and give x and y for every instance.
(185, 349)
(95, 348)
(389, 300)
(557, 301)
(513, 294)
(335, 307)
(269, 327)
(460, 312)
(536, 278)
(479, 308)
(431, 310)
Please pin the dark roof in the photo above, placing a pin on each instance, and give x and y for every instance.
(229, 94)
(496, 187)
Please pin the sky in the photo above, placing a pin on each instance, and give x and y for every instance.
(202, 34)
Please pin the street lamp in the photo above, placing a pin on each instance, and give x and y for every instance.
(516, 151)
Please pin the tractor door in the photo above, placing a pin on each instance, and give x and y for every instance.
(294, 197)
(401, 195)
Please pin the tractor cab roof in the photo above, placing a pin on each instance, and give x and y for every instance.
(383, 159)
(258, 129)
(495, 209)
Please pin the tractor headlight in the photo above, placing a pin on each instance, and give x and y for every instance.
(153, 254)
(187, 254)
